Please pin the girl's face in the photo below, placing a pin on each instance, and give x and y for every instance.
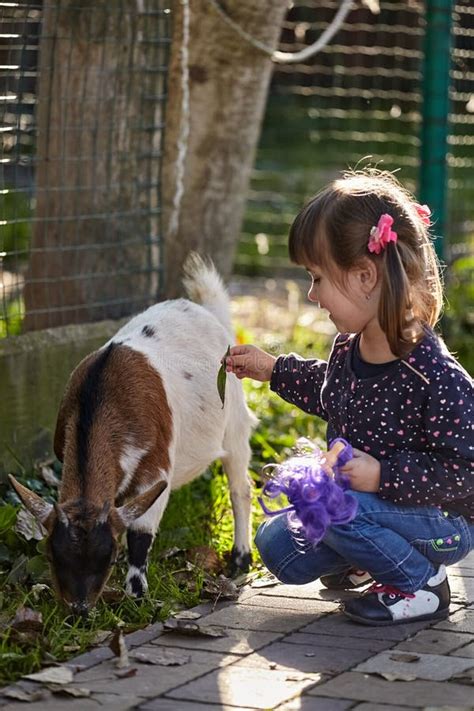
(347, 304)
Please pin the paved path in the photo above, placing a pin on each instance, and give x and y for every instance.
(281, 647)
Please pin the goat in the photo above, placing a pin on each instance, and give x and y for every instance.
(139, 417)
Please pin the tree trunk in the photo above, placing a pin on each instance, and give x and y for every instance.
(95, 239)
(229, 80)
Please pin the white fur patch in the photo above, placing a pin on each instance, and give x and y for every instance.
(129, 461)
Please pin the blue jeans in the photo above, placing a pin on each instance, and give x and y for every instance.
(398, 545)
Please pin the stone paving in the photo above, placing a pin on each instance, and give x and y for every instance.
(280, 647)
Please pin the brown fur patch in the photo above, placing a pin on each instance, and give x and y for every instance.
(133, 410)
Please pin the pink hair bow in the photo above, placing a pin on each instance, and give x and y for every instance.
(382, 234)
(424, 212)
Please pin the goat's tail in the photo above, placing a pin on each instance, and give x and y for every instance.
(204, 285)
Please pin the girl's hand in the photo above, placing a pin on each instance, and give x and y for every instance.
(363, 471)
(250, 362)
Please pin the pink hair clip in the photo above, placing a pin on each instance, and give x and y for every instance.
(424, 212)
(381, 234)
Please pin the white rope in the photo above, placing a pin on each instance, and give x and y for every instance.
(289, 57)
(182, 142)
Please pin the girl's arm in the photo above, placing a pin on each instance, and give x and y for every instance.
(299, 381)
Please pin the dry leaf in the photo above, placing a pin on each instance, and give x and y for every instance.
(405, 657)
(192, 629)
(111, 595)
(187, 615)
(22, 695)
(221, 587)
(268, 581)
(119, 648)
(165, 658)
(465, 677)
(205, 558)
(125, 673)
(27, 620)
(53, 675)
(101, 636)
(28, 526)
(170, 552)
(398, 677)
(49, 476)
(69, 691)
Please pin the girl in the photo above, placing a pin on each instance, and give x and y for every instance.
(392, 390)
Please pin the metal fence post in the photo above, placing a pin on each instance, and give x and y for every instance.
(434, 129)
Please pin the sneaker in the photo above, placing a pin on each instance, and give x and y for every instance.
(386, 605)
(347, 580)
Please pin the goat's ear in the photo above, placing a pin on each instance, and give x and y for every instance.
(40, 509)
(128, 513)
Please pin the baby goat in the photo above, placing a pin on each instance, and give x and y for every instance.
(139, 417)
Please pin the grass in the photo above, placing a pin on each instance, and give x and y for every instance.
(175, 579)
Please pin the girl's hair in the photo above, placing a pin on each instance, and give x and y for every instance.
(332, 231)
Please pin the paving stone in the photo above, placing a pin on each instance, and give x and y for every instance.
(90, 659)
(56, 702)
(338, 624)
(462, 588)
(235, 641)
(461, 621)
(379, 707)
(308, 703)
(326, 640)
(135, 639)
(310, 605)
(429, 666)
(250, 688)
(312, 591)
(433, 641)
(304, 658)
(414, 694)
(466, 651)
(150, 680)
(259, 619)
(162, 704)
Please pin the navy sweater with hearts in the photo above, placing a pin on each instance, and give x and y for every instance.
(416, 418)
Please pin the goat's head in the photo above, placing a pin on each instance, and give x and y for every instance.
(82, 541)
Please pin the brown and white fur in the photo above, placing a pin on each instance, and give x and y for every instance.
(142, 416)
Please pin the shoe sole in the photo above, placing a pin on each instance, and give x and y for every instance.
(440, 615)
(346, 587)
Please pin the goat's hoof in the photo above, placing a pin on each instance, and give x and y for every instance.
(240, 562)
(136, 585)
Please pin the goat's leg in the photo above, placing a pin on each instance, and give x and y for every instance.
(236, 463)
(140, 536)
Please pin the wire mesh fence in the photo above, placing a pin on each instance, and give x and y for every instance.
(361, 95)
(82, 97)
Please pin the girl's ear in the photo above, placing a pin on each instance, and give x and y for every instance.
(367, 275)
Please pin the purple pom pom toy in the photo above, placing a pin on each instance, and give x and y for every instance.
(315, 489)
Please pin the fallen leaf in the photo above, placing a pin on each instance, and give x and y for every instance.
(405, 657)
(27, 620)
(165, 658)
(101, 636)
(397, 677)
(187, 615)
(192, 629)
(71, 648)
(119, 648)
(268, 581)
(111, 595)
(170, 552)
(22, 695)
(48, 475)
(125, 673)
(28, 526)
(465, 677)
(205, 558)
(69, 691)
(221, 587)
(53, 675)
